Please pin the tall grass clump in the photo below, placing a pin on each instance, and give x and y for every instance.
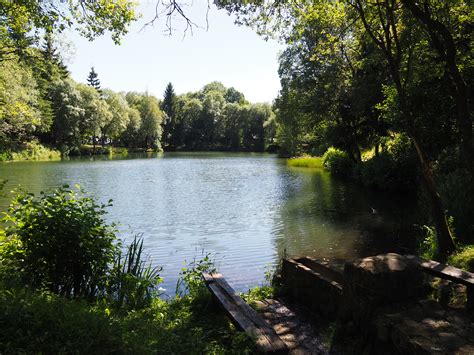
(306, 162)
(132, 282)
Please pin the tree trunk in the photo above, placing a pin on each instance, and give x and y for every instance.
(444, 237)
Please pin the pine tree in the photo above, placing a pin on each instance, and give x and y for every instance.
(52, 59)
(93, 80)
(168, 106)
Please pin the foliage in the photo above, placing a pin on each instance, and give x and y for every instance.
(338, 162)
(306, 162)
(41, 322)
(394, 169)
(21, 21)
(190, 281)
(31, 151)
(429, 246)
(93, 80)
(20, 114)
(70, 259)
(463, 258)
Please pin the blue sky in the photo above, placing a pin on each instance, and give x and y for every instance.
(148, 59)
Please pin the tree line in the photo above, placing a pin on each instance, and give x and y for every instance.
(216, 118)
(42, 103)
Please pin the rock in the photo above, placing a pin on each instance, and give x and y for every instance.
(383, 279)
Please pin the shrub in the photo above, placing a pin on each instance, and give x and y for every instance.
(395, 169)
(35, 151)
(338, 162)
(463, 259)
(190, 281)
(59, 241)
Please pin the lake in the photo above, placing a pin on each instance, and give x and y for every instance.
(248, 210)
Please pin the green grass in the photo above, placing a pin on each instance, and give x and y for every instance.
(31, 151)
(306, 162)
(464, 258)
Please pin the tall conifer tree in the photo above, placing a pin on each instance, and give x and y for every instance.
(168, 106)
(93, 80)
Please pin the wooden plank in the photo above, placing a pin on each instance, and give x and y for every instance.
(444, 271)
(246, 309)
(243, 316)
(321, 268)
(303, 268)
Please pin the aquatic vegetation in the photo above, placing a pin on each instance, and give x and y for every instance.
(306, 162)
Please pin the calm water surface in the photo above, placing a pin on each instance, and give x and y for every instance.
(246, 209)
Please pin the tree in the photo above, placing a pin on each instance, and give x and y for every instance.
(93, 80)
(130, 136)
(119, 118)
(20, 114)
(168, 107)
(233, 96)
(152, 117)
(325, 34)
(96, 114)
(66, 103)
(20, 21)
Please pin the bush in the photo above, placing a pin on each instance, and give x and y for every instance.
(190, 281)
(338, 162)
(59, 241)
(463, 259)
(395, 169)
(31, 151)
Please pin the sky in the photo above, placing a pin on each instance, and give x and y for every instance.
(148, 59)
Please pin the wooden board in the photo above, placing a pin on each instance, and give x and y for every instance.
(299, 267)
(444, 271)
(243, 316)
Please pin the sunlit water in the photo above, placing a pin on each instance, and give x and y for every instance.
(248, 210)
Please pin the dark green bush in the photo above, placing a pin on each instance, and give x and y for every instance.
(59, 241)
(395, 169)
(338, 162)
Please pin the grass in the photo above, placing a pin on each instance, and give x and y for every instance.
(31, 151)
(306, 162)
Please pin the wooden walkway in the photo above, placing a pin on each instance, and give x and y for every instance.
(243, 316)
